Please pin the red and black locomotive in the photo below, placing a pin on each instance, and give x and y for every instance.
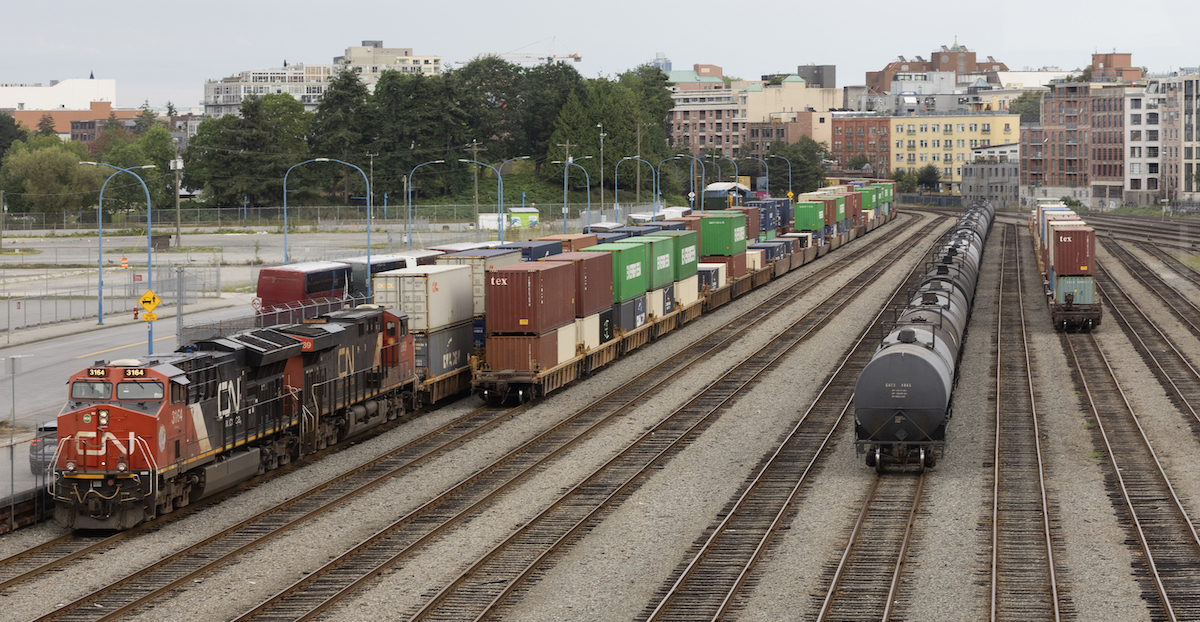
(139, 438)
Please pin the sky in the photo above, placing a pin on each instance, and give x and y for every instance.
(159, 53)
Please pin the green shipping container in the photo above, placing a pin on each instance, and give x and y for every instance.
(687, 253)
(869, 198)
(809, 216)
(1083, 287)
(767, 235)
(660, 261)
(629, 274)
(841, 209)
(723, 235)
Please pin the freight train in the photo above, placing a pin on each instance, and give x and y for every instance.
(139, 438)
(902, 400)
(1066, 256)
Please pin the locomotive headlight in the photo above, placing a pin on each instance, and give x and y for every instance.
(71, 466)
(122, 467)
(103, 418)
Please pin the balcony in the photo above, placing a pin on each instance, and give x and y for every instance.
(1072, 126)
(985, 131)
(948, 146)
(1035, 169)
(911, 147)
(911, 132)
(948, 130)
(1072, 112)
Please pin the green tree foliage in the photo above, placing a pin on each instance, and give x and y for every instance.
(10, 132)
(245, 158)
(906, 181)
(111, 135)
(145, 120)
(928, 177)
(43, 174)
(340, 126)
(545, 90)
(857, 162)
(490, 90)
(808, 164)
(1029, 106)
(46, 126)
(570, 126)
(154, 147)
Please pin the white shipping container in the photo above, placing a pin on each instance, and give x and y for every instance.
(687, 291)
(722, 271)
(754, 259)
(432, 296)
(587, 331)
(655, 302)
(479, 267)
(566, 343)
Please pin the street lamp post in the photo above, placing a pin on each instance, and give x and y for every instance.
(768, 170)
(499, 189)
(789, 163)
(692, 179)
(100, 229)
(408, 192)
(587, 177)
(660, 174)
(367, 181)
(602, 135)
(566, 170)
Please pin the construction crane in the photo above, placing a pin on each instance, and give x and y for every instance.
(518, 57)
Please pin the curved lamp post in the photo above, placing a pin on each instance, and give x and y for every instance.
(499, 190)
(285, 223)
(653, 180)
(408, 191)
(764, 163)
(100, 226)
(789, 163)
(589, 194)
(692, 179)
(566, 169)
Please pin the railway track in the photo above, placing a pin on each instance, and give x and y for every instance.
(1169, 547)
(1186, 311)
(711, 583)
(484, 587)
(117, 599)
(866, 580)
(1173, 263)
(1023, 576)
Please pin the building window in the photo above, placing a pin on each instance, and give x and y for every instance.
(1153, 168)
(937, 143)
(960, 157)
(935, 157)
(1135, 184)
(1135, 152)
(960, 143)
(1135, 119)
(924, 157)
(962, 127)
(1135, 104)
(924, 128)
(1151, 152)
(924, 144)
(899, 144)
(974, 127)
(1152, 135)
(912, 129)
(946, 171)
(899, 157)
(933, 128)
(837, 131)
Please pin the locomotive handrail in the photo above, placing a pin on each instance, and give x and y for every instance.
(50, 481)
(145, 447)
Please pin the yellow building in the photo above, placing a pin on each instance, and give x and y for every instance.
(946, 140)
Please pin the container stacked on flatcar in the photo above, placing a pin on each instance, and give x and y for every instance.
(902, 400)
(439, 303)
(1066, 256)
(723, 240)
(531, 315)
(481, 260)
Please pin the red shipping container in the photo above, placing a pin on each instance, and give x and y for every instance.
(593, 280)
(572, 241)
(753, 220)
(1075, 253)
(522, 352)
(734, 264)
(830, 210)
(532, 297)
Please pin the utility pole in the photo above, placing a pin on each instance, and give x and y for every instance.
(474, 148)
(568, 145)
(602, 135)
(176, 164)
(638, 194)
(372, 178)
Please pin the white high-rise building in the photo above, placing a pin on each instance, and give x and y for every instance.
(307, 82)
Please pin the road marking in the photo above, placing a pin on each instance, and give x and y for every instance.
(83, 356)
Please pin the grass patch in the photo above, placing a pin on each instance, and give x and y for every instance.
(1087, 425)
(173, 250)
(247, 288)
(1095, 455)
(18, 252)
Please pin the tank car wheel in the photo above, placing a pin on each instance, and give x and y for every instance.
(870, 458)
(924, 461)
(879, 460)
(930, 459)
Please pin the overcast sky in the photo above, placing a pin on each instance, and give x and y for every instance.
(160, 52)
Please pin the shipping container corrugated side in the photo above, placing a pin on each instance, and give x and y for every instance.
(593, 281)
(439, 352)
(629, 275)
(535, 249)
(735, 264)
(531, 297)
(523, 352)
(687, 252)
(630, 314)
(723, 235)
(660, 260)
(432, 296)
(1081, 288)
(481, 261)
(572, 242)
(1075, 251)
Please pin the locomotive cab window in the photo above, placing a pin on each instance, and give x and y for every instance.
(140, 391)
(91, 390)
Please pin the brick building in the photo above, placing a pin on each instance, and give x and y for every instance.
(957, 59)
(856, 133)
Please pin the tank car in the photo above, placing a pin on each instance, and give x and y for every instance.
(139, 438)
(902, 400)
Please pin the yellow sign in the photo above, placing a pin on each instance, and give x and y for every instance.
(790, 195)
(149, 301)
(149, 317)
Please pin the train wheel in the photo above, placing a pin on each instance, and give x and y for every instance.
(870, 458)
(930, 459)
(878, 460)
(924, 461)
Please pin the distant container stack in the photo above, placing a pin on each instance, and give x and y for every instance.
(439, 305)
(531, 315)
(723, 240)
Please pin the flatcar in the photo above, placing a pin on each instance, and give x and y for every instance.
(902, 399)
(1065, 247)
(141, 437)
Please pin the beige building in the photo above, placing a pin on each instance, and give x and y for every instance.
(759, 102)
(307, 82)
(946, 141)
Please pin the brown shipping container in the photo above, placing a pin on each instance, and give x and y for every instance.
(736, 264)
(533, 297)
(572, 242)
(830, 210)
(753, 221)
(523, 352)
(593, 280)
(1075, 254)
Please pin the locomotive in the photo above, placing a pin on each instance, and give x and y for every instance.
(902, 400)
(141, 437)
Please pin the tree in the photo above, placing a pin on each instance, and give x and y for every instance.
(905, 181)
(1029, 106)
(112, 134)
(544, 91)
(928, 177)
(10, 132)
(339, 123)
(857, 162)
(46, 126)
(490, 96)
(807, 157)
(145, 120)
(171, 112)
(43, 175)
(155, 147)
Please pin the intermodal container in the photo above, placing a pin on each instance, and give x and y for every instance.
(608, 324)
(1081, 288)
(606, 238)
(432, 296)
(423, 257)
(441, 351)
(631, 314)
(480, 261)
(593, 281)
(531, 297)
(687, 291)
(533, 250)
(572, 242)
(672, 225)
(723, 235)
(735, 265)
(712, 275)
(1074, 251)
(755, 259)
(660, 260)
(629, 274)
(523, 352)
(753, 219)
(687, 252)
(809, 216)
(587, 331)
(458, 247)
(661, 302)
(636, 230)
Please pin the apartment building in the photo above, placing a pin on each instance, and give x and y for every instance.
(704, 115)
(957, 59)
(862, 134)
(1189, 96)
(993, 174)
(307, 82)
(946, 141)
(1147, 155)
